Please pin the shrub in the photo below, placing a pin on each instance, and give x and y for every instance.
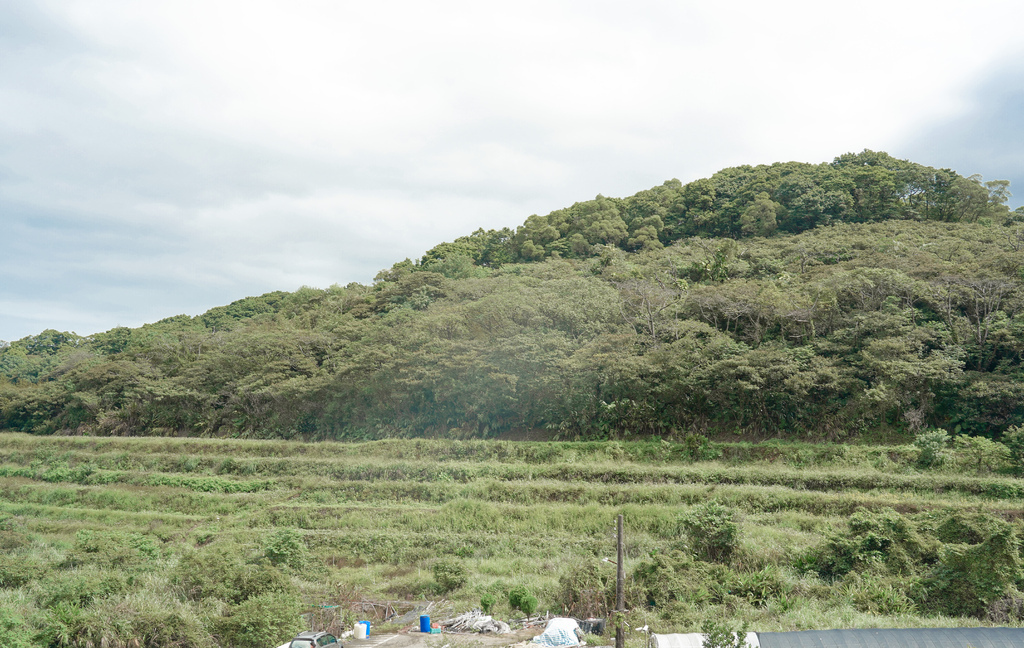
(587, 590)
(712, 532)
(79, 587)
(699, 448)
(981, 452)
(487, 602)
(14, 631)
(222, 573)
(674, 577)
(874, 539)
(63, 625)
(450, 575)
(1013, 439)
(970, 577)
(261, 621)
(17, 570)
(528, 604)
(11, 539)
(932, 446)
(964, 527)
(212, 572)
(718, 635)
(879, 595)
(1006, 610)
(759, 587)
(516, 596)
(145, 619)
(286, 548)
(113, 549)
(264, 579)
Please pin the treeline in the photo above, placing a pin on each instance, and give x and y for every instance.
(740, 202)
(866, 295)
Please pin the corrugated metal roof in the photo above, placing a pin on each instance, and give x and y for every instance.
(896, 638)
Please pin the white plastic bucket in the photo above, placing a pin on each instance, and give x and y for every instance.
(360, 630)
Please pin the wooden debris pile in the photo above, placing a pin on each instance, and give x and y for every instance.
(475, 621)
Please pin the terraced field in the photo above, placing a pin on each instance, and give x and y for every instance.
(826, 535)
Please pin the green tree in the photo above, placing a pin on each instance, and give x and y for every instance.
(760, 218)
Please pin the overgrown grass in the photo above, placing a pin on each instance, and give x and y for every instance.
(372, 519)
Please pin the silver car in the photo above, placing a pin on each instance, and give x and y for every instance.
(312, 639)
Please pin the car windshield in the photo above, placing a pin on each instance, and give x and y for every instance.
(302, 643)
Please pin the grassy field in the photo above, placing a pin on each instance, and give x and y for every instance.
(181, 542)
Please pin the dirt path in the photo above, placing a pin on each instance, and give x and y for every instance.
(419, 639)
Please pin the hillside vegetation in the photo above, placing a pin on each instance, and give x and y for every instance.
(156, 542)
(865, 296)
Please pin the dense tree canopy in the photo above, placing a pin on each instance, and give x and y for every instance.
(869, 294)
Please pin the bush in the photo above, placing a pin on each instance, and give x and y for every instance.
(222, 573)
(964, 527)
(17, 570)
(718, 635)
(212, 572)
(79, 588)
(883, 539)
(144, 619)
(712, 532)
(969, 578)
(759, 587)
(587, 590)
(528, 604)
(450, 575)
(487, 602)
(981, 453)
(14, 631)
(261, 621)
(887, 596)
(109, 549)
(699, 448)
(1013, 439)
(63, 625)
(516, 595)
(932, 444)
(674, 578)
(286, 548)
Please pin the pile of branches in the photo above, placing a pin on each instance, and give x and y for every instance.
(475, 621)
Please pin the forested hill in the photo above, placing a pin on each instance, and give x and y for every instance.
(865, 295)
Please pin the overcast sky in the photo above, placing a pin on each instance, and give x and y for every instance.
(159, 158)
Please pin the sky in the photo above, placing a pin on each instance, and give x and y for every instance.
(159, 158)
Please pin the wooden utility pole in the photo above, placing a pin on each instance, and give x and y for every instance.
(620, 594)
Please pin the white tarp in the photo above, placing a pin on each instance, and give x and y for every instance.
(559, 632)
(692, 640)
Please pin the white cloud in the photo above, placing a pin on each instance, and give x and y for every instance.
(209, 150)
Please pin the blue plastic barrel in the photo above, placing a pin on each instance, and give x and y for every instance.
(425, 623)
